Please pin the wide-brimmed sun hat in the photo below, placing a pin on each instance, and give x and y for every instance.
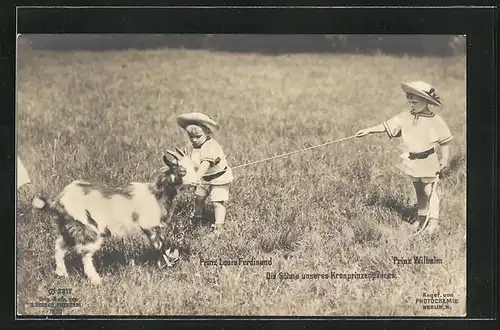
(422, 89)
(197, 118)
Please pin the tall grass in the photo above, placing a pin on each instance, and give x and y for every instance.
(109, 116)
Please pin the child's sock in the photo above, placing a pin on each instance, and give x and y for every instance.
(219, 213)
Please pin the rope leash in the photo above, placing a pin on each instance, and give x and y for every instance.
(434, 186)
(294, 152)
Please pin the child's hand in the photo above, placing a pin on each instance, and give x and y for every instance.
(443, 165)
(198, 181)
(362, 132)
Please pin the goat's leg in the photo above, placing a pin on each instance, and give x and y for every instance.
(87, 252)
(88, 267)
(60, 253)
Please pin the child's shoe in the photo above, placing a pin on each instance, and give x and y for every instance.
(173, 255)
(216, 228)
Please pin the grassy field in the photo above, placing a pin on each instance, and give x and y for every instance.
(110, 116)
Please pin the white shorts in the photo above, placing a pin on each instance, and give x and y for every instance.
(425, 180)
(218, 193)
(419, 169)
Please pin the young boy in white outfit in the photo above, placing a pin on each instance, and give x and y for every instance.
(421, 130)
(212, 168)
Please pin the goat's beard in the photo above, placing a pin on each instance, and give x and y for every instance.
(170, 191)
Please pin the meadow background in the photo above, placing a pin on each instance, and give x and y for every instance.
(108, 116)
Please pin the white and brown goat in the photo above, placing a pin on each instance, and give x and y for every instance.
(87, 212)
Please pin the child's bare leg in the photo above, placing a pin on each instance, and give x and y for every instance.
(60, 252)
(219, 213)
(201, 194)
(434, 202)
(421, 199)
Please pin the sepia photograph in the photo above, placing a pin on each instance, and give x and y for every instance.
(241, 175)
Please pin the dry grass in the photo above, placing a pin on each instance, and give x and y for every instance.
(333, 209)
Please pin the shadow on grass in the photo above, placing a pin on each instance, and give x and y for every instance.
(364, 236)
(183, 231)
(284, 240)
(455, 162)
(111, 260)
(393, 203)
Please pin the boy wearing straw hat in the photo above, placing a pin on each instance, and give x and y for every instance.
(421, 130)
(212, 168)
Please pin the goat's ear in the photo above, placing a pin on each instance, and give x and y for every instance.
(164, 169)
(168, 162)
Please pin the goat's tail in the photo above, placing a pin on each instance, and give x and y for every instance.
(40, 203)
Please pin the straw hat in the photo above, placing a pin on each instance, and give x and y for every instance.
(197, 118)
(422, 89)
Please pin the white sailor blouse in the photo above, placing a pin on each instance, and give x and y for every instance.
(219, 172)
(420, 133)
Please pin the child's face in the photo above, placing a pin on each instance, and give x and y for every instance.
(197, 135)
(416, 103)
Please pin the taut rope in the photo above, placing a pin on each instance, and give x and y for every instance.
(294, 152)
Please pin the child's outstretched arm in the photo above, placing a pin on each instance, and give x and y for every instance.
(374, 129)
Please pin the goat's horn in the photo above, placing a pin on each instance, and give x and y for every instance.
(173, 154)
(180, 152)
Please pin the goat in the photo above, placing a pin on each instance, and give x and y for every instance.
(86, 213)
